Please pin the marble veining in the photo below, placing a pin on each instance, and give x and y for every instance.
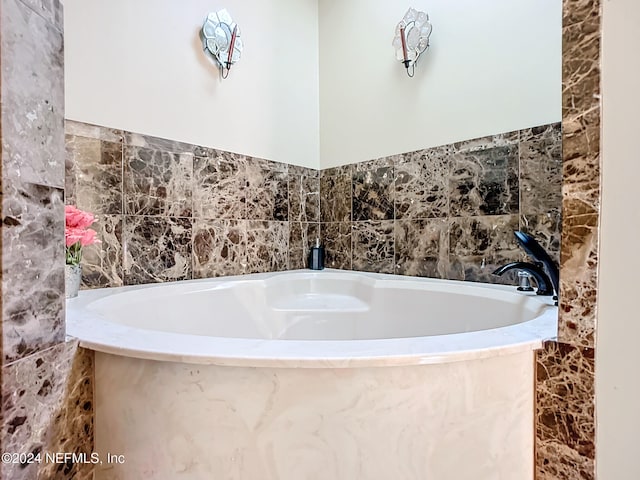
(102, 264)
(31, 50)
(220, 186)
(373, 246)
(219, 247)
(267, 190)
(267, 246)
(336, 238)
(565, 412)
(156, 249)
(304, 194)
(47, 405)
(32, 269)
(157, 182)
(422, 247)
(373, 194)
(302, 235)
(335, 194)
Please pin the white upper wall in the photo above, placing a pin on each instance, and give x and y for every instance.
(617, 352)
(139, 65)
(492, 67)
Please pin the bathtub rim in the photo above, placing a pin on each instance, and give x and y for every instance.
(100, 335)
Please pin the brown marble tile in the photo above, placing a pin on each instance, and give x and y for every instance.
(267, 246)
(102, 263)
(565, 443)
(47, 405)
(32, 269)
(374, 164)
(422, 247)
(157, 143)
(479, 245)
(302, 235)
(93, 170)
(541, 175)
(335, 194)
(373, 193)
(157, 249)
(546, 229)
(267, 190)
(220, 186)
(484, 182)
(304, 194)
(578, 274)
(157, 182)
(550, 131)
(97, 132)
(488, 142)
(32, 95)
(373, 246)
(421, 184)
(336, 238)
(219, 247)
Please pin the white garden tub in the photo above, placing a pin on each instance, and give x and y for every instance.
(314, 375)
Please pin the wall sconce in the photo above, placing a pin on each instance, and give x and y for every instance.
(221, 39)
(412, 38)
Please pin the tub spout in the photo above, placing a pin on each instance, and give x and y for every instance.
(545, 286)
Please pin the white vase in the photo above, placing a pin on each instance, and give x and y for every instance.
(72, 276)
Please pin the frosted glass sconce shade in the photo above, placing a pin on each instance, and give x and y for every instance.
(412, 38)
(221, 39)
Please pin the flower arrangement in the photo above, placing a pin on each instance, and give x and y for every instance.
(77, 233)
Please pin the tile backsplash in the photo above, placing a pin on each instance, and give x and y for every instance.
(169, 211)
(446, 212)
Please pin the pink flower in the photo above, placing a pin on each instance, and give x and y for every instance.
(89, 238)
(73, 235)
(75, 218)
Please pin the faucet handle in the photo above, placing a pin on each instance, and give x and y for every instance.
(524, 281)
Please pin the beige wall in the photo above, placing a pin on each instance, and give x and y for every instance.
(492, 67)
(139, 65)
(618, 356)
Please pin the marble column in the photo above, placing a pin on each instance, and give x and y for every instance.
(46, 382)
(565, 376)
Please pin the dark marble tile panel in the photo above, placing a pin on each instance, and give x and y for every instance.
(546, 229)
(157, 143)
(94, 175)
(578, 274)
(220, 186)
(267, 190)
(422, 247)
(549, 132)
(97, 132)
(335, 194)
(479, 245)
(541, 175)
(488, 142)
(302, 236)
(373, 193)
(304, 194)
(157, 182)
(102, 262)
(373, 246)
(267, 246)
(32, 269)
(32, 97)
(565, 443)
(484, 182)
(421, 184)
(219, 247)
(373, 164)
(157, 249)
(336, 238)
(47, 405)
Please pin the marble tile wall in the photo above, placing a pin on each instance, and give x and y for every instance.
(445, 212)
(566, 399)
(172, 211)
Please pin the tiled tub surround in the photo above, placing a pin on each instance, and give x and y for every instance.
(446, 212)
(172, 211)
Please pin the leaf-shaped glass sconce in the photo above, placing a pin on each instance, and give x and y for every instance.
(412, 38)
(221, 39)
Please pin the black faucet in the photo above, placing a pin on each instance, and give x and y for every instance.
(544, 270)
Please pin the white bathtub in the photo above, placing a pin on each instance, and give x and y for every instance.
(314, 375)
